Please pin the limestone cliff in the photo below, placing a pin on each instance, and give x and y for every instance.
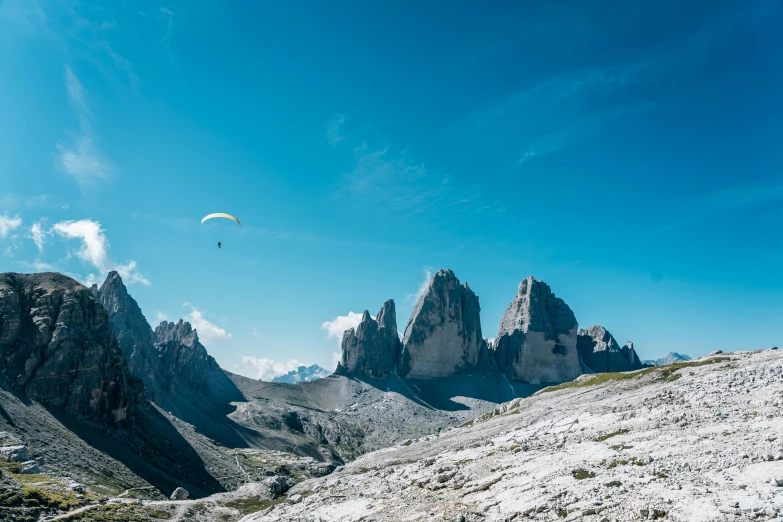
(536, 341)
(443, 336)
(372, 348)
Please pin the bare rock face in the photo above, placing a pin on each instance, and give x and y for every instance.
(132, 330)
(601, 353)
(177, 372)
(182, 359)
(536, 341)
(443, 336)
(372, 348)
(57, 347)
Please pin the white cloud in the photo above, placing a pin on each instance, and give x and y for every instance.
(38, 266)
(207, 331)
(80, 158)
(422, 287)
(266, 369)
(333, 133)
(39, 233)
(160, 316)
(340, 324)
(94, 250)
(8, 224)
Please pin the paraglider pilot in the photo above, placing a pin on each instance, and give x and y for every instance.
(219, 244)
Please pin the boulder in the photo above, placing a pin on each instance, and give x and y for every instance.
(30, 467)
(17, 453)
(536, 341)
(601, 353)
(443, 336)
(180, 494)
(372, 348)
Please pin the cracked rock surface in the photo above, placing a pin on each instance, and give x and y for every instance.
(700, 440)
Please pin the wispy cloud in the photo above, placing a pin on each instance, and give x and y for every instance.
(333, 131)
(94, 251)
(8, 224)
(38, 266)
(423, 286)
(393, 183)
(39, 233)
(79, 156)
(266, 369)
(207, 331)
(160, 316)
(726, 200)
(555, 112)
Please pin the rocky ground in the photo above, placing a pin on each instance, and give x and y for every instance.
(700, 440)
(345, 417)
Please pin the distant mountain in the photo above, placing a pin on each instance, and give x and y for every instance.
(673, 357)
(303, 374)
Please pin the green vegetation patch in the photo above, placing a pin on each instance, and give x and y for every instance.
(610, 435)
(581, 474)
(253, 504)
(613, 484)
(119, 513)
(658, 372)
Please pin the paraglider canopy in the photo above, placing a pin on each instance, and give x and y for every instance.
(221, 215)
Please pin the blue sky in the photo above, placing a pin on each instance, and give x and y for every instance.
(627, 153)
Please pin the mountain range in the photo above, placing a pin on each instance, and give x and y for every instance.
(94, 394)
(303, 374)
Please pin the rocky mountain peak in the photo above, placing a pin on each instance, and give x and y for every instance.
(372, 348)
(180, 331)
(601, 353)
(536, 339)
(443, 336)
(57, 347)
(131, 328)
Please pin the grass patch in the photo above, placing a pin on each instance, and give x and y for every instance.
(118, 513)
(624, 462)
(620, 447)
(466, 424)
(610, 435)
(406, 443)
(659, 372)
(581, 474)
(562, 513)
(661, 475)
(743, 486)
(253, 504)
(772, 439)
(613, 484)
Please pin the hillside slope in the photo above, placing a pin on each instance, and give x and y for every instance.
(697, 441)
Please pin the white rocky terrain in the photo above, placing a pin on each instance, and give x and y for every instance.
(700, 440)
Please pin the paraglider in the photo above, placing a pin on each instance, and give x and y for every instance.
(221, 215)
